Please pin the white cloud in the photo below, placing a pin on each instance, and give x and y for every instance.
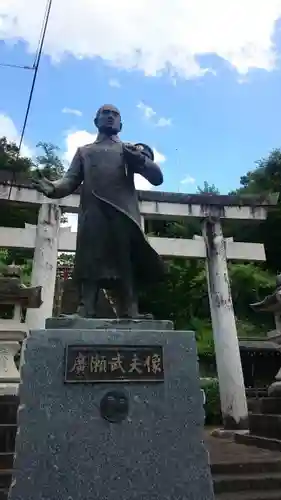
(158, 157)
(79, 138)
(72, 111)
(172, 37)
(188, 180)
(150, 114)
(113, 82)
(242, 80)
(9, 130)
(142, 184)
(147, 111)
(75, 140)
(163, 122)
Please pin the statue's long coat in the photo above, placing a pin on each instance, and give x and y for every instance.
(110, 240)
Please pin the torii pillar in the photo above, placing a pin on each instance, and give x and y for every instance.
(44, 267)
(230, 375)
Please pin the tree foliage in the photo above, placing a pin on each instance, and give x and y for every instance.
(48, 164)
(265, 178)
(10, 159)
(208, 188)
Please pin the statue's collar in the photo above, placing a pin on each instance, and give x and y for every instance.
(104, 137)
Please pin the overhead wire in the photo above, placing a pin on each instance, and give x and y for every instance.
(16, 66)
(42, 34)
(35, 61)
(35, 67)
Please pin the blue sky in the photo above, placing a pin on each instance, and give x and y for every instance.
(201, 86)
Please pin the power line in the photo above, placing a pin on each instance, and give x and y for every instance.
(42, 35)
(36, 62)
(17, 66)
(35, 68)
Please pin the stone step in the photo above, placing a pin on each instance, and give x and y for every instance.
(249, 495)
(258, 441)
(253, 405)
(240, 468)
(270, 406)
(265, 405)
(265, 425)
(254, 482)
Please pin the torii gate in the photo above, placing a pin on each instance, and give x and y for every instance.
(47, 238)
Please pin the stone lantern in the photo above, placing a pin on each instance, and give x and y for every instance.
(272, 303)
(15, 298)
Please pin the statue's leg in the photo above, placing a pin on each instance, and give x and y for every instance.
(126, 300)
(88, 299)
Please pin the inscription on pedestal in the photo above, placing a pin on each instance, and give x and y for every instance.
(119, 363)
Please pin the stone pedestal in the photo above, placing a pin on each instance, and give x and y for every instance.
(76, 323)
(111, 413)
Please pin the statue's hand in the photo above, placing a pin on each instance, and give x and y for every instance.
(133, 155)
(44, 186)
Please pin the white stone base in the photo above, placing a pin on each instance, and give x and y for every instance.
(9, 347)
(226, 434)
(8, 369)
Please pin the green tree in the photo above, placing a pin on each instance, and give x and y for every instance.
(10, 160)
(49, 163)
(264, 179)
(208, 188)
(184, 298)
(14, 165)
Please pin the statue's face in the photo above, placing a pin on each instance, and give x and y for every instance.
(108, 120)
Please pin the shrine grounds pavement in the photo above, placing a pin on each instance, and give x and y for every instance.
(225, 450)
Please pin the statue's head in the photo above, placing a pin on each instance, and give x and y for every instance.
(108, 119)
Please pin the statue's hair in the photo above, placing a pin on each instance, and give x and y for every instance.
(111, 106)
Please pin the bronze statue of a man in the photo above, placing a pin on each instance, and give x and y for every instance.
(112, 251)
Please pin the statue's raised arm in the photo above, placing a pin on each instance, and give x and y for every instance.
(140, 158)
(64, 186)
